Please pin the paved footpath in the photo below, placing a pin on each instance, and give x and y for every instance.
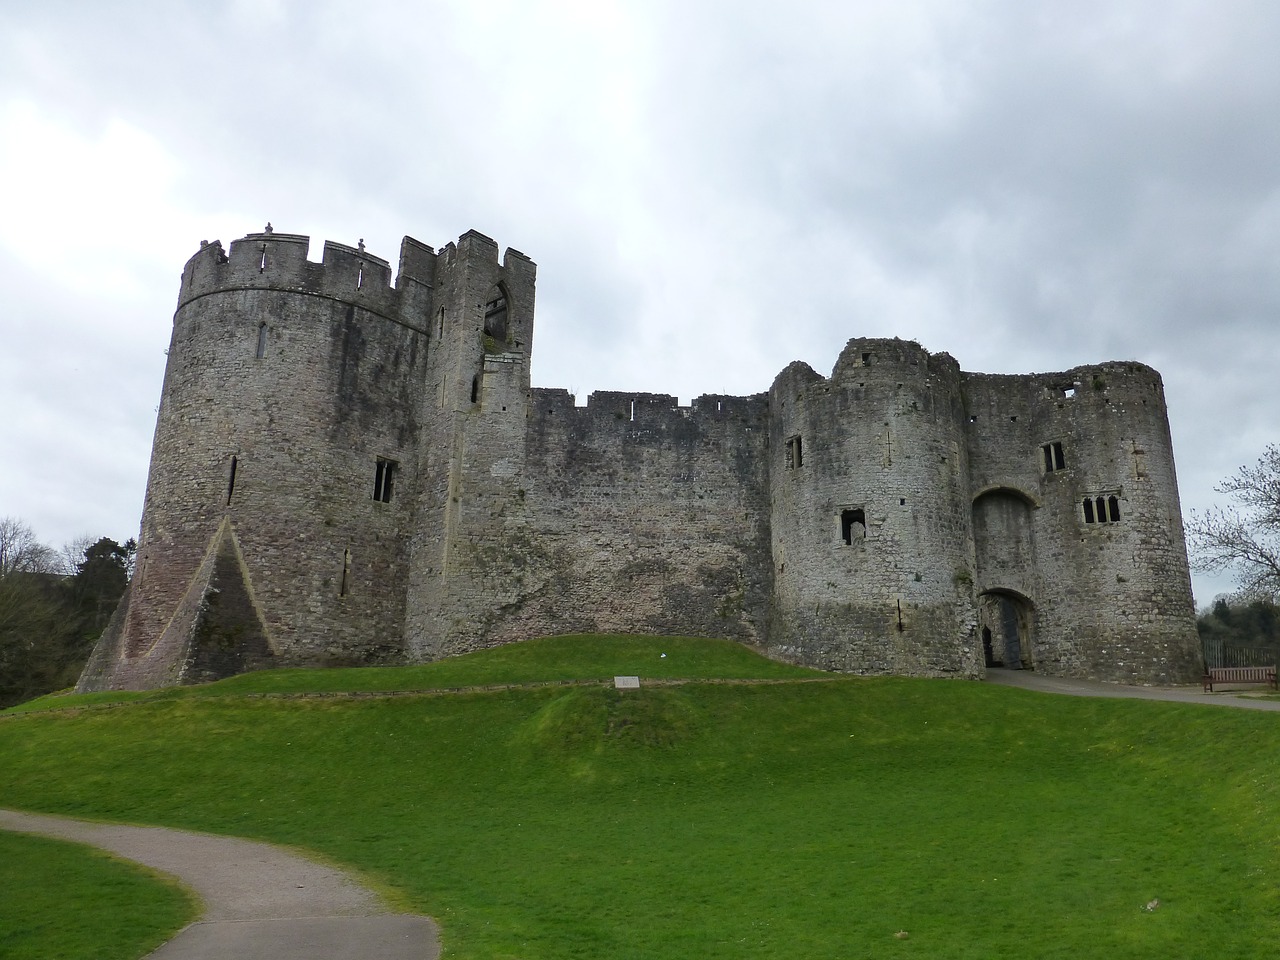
(261, 902)
(1030, 680)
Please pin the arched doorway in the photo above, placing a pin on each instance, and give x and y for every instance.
(1007, 622)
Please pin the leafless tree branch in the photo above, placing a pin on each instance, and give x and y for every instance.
(1244, 536)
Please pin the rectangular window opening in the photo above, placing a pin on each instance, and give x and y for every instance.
(262, 341)
(1053, 457)
(346, 572)
(384, 479)
(1101, 508)
(794, 453)
(853, 525)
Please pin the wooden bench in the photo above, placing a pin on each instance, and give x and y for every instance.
(1239, 675)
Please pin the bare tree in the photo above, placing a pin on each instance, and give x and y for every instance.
(72, 554)
(21, 552)
(1244, 536)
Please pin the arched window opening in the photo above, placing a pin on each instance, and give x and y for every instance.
(262, 341)
(495, 315)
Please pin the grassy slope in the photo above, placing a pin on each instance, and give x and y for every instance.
(548, 659)
(799, 820)
(74, 903)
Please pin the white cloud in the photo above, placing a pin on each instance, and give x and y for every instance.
(101, 201)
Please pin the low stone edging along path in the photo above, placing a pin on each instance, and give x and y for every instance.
(261, 902)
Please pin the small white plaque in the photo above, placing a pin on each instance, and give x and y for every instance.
(626, 683)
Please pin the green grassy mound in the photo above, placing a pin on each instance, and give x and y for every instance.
(806, 820)
(550, 659)
(70, 902)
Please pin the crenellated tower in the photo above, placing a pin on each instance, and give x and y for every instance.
(282, 470)
(471, 459)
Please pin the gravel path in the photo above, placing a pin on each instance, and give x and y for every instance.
(261, 902)
(1030, 680)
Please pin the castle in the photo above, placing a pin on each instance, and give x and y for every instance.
(347, 471)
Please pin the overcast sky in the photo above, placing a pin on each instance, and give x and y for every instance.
(710, 191)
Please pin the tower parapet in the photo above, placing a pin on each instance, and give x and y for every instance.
(278, 261)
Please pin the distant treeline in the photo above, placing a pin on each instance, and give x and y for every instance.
(53, 606)
(1235, 624)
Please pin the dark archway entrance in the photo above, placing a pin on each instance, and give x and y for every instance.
(1008, 630)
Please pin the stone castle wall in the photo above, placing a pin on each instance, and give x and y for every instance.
(351, 471)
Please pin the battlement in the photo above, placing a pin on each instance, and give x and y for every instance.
(649, 413)
(862, 355)
(1115, 383)
(474, 247)
(278, 261)
(417, 262)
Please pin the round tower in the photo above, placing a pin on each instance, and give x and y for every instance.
(872, 541)
(281, 466)
(1116, 586)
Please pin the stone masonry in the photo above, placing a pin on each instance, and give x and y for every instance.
(347, 471)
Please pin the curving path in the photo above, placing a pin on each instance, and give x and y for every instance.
(261, 902)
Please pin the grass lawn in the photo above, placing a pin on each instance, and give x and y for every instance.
(806, 820)
(71, 902)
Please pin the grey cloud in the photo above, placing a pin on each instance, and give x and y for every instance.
(713, 191)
